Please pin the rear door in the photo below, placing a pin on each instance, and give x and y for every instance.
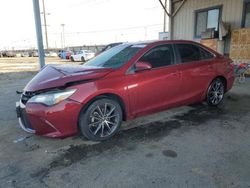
(158, 88)
(195, 65)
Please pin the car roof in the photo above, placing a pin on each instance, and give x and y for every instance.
(116, 43)
(159, 42)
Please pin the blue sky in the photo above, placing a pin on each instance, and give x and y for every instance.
(86, 22)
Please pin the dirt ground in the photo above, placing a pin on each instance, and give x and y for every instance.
(187, 147)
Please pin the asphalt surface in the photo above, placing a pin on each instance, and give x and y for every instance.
(191, 146)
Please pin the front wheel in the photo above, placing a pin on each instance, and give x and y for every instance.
(101, 120)
(215, 93)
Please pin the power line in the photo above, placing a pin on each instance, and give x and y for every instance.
(110, 30)
(45, 25)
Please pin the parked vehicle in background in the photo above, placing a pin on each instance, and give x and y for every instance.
(3, 53)
(25, 54)
(107, 47)
(46, 54)
(8, 54)
(82, 55)
(60, 53)
(33, 54)
(127, 81)
(69, 54)
(65, 54)
(18, 54)
(51, 54)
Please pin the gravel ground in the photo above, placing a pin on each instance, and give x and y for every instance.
(191, 146)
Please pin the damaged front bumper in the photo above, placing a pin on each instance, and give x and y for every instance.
(23, 119)
(59, 120)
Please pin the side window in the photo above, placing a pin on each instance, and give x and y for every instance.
(205, 54)
(188, 52)
(159, 56)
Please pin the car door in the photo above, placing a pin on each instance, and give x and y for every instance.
(195, 65)
(157, 88)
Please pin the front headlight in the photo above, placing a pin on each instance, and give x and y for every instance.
(52, 98)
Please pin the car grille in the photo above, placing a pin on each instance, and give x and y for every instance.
(26, 96)
(24, 118)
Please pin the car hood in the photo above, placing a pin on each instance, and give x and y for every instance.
(52, 76)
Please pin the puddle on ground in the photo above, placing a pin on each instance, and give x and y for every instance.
(169, 153)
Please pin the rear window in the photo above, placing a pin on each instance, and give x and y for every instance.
(190, 53)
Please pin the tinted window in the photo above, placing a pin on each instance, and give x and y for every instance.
(159, 56)
(190, 52)
(205, 54)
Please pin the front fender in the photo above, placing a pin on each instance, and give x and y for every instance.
(88, 91)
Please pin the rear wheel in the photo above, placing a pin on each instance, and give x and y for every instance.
(215, 93)
(82, 59)
(72, 59)
(101, 120)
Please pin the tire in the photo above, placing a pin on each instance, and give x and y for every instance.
(82, 59)
(72, 59)
(215, 92)
(101, 120)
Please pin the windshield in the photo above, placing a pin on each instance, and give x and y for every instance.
(115, 57)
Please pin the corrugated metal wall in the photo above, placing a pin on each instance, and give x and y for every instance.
(183, 23)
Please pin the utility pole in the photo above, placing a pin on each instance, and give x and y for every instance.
(39, 35)
(45, 26)
(171, 14)
(170, 20)
(63, 36)
(165, 17)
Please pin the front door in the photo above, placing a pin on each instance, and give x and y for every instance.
(157, 88)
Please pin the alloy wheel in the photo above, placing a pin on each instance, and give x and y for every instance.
(104, 120)
(215, 92)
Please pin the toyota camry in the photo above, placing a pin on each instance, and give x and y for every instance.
(127, 81)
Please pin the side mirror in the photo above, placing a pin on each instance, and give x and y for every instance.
(142, 65)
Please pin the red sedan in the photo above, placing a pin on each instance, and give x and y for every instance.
(127, 81)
